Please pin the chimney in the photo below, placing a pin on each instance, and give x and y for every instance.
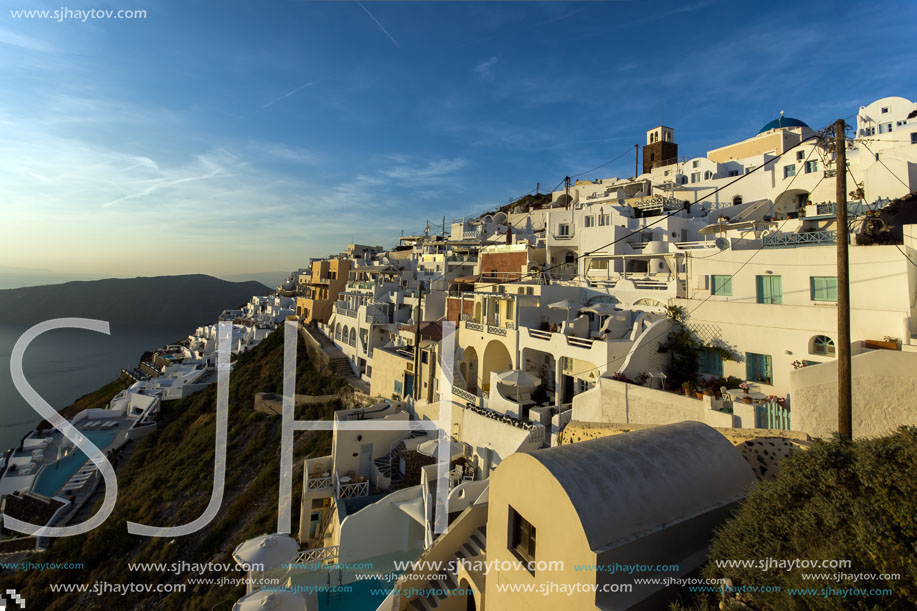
(509, 233)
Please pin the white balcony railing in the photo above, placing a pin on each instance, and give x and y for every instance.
(352, 491)
(319, 483)
(320, 555)
(464, 394)
(345, 311)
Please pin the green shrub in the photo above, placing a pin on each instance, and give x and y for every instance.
(839, 500)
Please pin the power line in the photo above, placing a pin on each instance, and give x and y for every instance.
(733, 275)
(604, 164)
(662, 217)
(906, 186)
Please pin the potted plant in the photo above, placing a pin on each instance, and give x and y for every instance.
(744, 387)
(710, 388)
(887, 343)
(687, 388)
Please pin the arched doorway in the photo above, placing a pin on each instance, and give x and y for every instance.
(468, 593)
(496, 358)
(469, 369)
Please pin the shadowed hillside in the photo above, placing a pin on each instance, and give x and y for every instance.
(167, 482)
(162, 301)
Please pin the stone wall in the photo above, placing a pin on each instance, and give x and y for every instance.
(413, 463)
(763, 449)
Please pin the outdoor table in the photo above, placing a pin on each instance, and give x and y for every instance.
(738, 393)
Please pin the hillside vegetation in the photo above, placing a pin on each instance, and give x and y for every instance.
(167, 482)
(839, 500)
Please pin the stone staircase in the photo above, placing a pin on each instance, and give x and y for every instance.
(382, 466)
(473, 547)
(339, 365)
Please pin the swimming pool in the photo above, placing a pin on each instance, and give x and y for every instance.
(54, 476)
(363, 596)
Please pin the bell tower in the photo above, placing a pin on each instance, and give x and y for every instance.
(660, 148)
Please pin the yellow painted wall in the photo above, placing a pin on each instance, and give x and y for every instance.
(541, 500)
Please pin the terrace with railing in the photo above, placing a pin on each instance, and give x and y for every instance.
(344, 311)
(828, 210)
(342, 488)
(366, 286)
(375, 318)
(461, 258)
(805, 238)
(536, 431)
(319, 555)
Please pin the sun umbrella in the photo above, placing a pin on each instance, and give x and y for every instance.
(519, 379)
(566, 304)
(269, 551)
(602, 309)
(428, 448)
(277, 601)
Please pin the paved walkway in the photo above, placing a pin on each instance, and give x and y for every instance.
(336, 358)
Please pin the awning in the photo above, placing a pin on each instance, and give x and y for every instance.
(430, 448)
(467, 279)
(413, 508)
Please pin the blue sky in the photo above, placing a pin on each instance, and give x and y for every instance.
(236, 137)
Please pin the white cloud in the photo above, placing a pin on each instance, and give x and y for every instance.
(432, 171)
(485, 69)
(17, 39)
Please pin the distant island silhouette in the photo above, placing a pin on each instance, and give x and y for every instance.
(186, 301)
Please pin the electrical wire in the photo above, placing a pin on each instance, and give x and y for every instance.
(898, 178)
(604, 164)
(746, 262)
(661, 217)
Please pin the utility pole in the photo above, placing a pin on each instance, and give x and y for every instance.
(416, 389)
(566, 191)
(636, 160)
(844, 394)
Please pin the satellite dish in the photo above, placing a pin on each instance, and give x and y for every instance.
(721, 243)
